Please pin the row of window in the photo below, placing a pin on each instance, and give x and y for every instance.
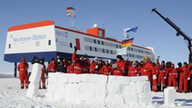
(139, 50)
(90, 48)
(137, 56)
(90, 40)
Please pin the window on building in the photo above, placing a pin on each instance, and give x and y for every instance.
(94, 41)
(98, 41)
(90, 48)
(132, 55)
(103, 50)
(140, 57)
(71, 46)
(119, 46)
(128, 48)
(129, 55)
(107, 51)
(137, 56)
(95, 49)
(139, 50)
(49, 42)
(9, 46)
(111, 52)
(102, 42)
(131, 49)
(116, 46)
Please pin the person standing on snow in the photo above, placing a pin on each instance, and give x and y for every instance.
(184, 77)
(154, 77)
(61, 68)
(162, 75)
(51, 67)
(95, 66)
(190, 72)
(106, 69)
(77, 62)
(133, 70)
(147, 68)
(173, 75)
(23, 73)
(41, 61)
(118, 68)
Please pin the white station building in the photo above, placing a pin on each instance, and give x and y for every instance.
(45, 39)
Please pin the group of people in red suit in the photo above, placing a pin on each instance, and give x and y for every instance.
(159, 75)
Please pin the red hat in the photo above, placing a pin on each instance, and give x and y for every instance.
(23, 59)
(167, 61)
(172, 64)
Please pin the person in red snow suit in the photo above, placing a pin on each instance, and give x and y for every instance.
(118, 68)
(86, 65)
(68, 63)
(106, 69)
(173, 75)
(127, 66)
(154, 77)
(162, 75)
(147, 68)
(23, 73)
(190, 81)
(133, 70)
(95, 66)
(51, 67)
(184, 77)
(77, 62)
(41, 61)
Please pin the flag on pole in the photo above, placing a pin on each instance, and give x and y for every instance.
(127, 42)
(70, 9)
(70, 12)
(128, 30)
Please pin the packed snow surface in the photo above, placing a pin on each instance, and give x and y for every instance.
(11, 96)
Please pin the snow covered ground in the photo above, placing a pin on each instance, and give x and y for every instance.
(11, 96)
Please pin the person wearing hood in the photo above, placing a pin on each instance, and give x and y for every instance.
(34, 60)
(118, 68)
(173, 75)
(95, 66)
(184, 77)
(41, 61)
(133, 70)
(163, 71)
(106, 69)
(51, 67)
(77, 62)
(147, 68)
(23, 73)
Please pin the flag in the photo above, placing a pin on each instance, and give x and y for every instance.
(74, 16)
(70, 9)
(128, 42)
(68, 14)
(128, 30)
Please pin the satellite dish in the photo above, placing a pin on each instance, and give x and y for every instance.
(95, 25)
(78, 29)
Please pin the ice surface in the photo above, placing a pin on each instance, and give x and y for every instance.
(169, 96)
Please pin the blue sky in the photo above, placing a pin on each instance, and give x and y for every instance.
(119, 14)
